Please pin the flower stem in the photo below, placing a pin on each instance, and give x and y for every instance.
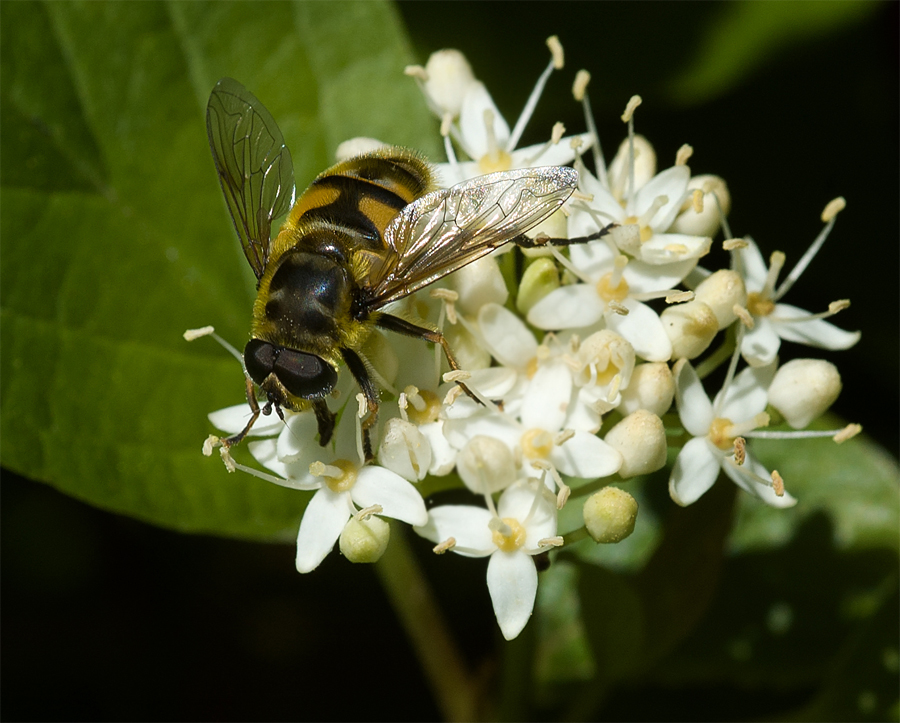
(418, 611)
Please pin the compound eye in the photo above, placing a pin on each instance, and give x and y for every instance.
(259, 358)
(305, 375)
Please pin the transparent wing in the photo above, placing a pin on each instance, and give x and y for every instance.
(443, 231)
(253, 164)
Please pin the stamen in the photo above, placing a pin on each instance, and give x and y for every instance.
(833, 308)
(535, 96)
(444, 546)
(452, 395)
(776, 263)
(551, 541)
(683, 155)
(563, 495)
(834, 207)
(212, 441)
(579, 87)
(362, 405)
(191, 334)
(403, 403)
(619, 264)
(556, 50)
(829, 216)
(599, 161)
(848, 432)
(457, 375)
(579, 196)
(320, 469)
(676, 296)
(416, 71)
(777, 483)
(740, 450)
(697, 200)
(645, 218)
(365, 513)
(726, 228)
(628, 117)
(556, 134)
(734, 244)
(230, 464)
(741, 313)
(633, 103)
(617, 308)
(563, 437)
(449, 299)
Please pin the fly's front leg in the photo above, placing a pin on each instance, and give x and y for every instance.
(254, 415)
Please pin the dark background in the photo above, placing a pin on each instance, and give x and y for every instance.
(106, 618)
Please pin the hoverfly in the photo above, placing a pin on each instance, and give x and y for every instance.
(368, 231)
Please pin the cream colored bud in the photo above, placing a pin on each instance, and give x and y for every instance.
(651, 387)
(449, 77)
(644, 164)
(554, 226)
(601, 357)
(641, 440)
(803, 389)
(540, 278)
(690, 327)
(609, 515)
(707, 221)
(720, 291)
(365, 540)
(404, 450)
(356, 147)
(478, 284)
(486, 465)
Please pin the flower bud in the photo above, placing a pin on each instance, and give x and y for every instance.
(540, 278)
(651, 388)
(803, 389)
(641, 440)
(404, 450)
(356, 147)
(365, 540)
(720, 292)
(609, 515)
(555, 226)
(601, 357)
(449, 76)
(707, 222)
(468, 350)
(644, 165)
(486, 465)
(690, 327)
(478, 284)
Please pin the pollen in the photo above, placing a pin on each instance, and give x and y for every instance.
(339, 476)
(608, 292)
(512, 537)
(579, 87)
(759, 305)
(536, 444)
(531, 367)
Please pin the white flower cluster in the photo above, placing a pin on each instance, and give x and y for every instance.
(624, 317)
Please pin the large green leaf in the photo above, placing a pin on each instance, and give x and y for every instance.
(116, 239)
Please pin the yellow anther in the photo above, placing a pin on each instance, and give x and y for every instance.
(556, 50)
(697, 200)
(684, 154)
(633, 103)
(442, 547)
(777, 483)
(733, 244)
(848, 432)
(416, 71)
(834, 207)
(579, 87)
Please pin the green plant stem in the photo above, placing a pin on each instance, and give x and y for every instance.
(417, 608)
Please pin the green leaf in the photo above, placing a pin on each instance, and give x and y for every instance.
(744, 36)
(116, 238)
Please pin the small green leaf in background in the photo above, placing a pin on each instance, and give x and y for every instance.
(116, 238)
(745, 36)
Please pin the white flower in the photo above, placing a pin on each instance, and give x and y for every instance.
(715, 427)
(524, 519)
(774, 321)
(342, 486)
(483, 133)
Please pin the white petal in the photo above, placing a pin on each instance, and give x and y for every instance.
(694, 407)
(816, 332)
(512, 583)
(593, 259)
(643, 329)
(695, 471)
(547, 398)
(642, 277)
(534, 507)
(755, 270)
(298, 439)
(493, 382)
(471, 121)
(541, 154)
(668, 248)
(450, 174)
(671, 183)
(603, 205)
(740, 476)
(322, 524)
(505, 335)
(443, 455)
(569, 307)
(398, 498)
(484, 421)
(761, 343)
(467, 524)
(747, 395)
(233, 420)
(586, 456)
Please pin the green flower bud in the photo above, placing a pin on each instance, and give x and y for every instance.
(539, 279)
(609, 515)
(365, 540)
